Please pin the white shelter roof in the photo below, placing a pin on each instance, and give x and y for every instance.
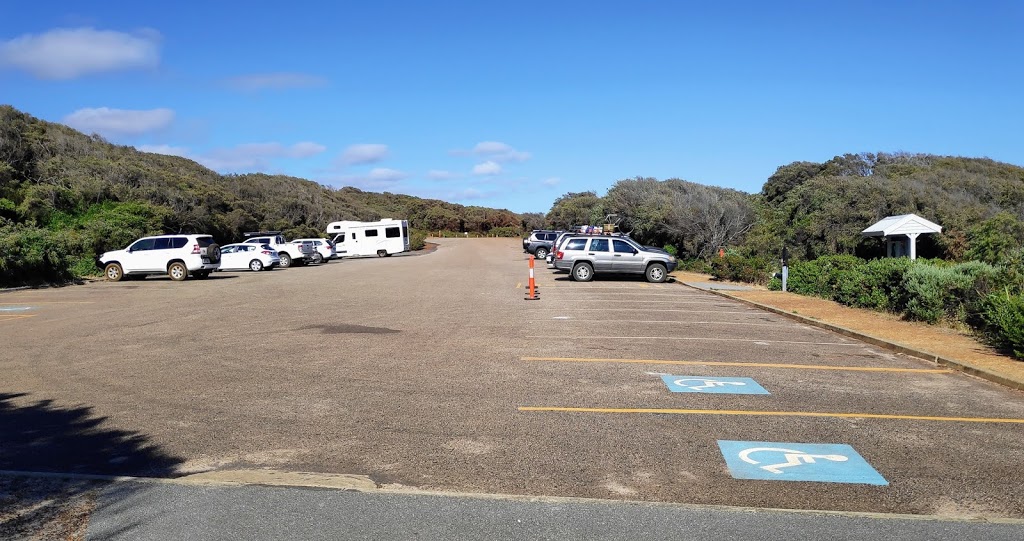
(903, 224)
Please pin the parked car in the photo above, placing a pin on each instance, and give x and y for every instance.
(290, 252)
(244, 256)
(560, 240)
(583, 257)
(539, 242)
(324, 248)
(177, 256)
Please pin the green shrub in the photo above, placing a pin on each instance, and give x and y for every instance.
(735, 268)
(417, 239)
(1003, 316)
(505, 232)
(952, 292)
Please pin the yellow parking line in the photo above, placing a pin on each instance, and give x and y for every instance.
(50, 302)
(775, 414)
(6, 317)
(761, 365)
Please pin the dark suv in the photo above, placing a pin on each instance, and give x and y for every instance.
(539, 242)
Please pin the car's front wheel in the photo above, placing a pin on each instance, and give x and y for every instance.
(656, 273)
(113, 272)
(286, 260)
(541, 253)
(177, 271)
(255, 265)
(583, 272)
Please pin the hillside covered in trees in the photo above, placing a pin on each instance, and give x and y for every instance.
(65, 197)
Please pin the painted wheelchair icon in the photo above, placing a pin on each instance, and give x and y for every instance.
(830, 463)
(716, 385)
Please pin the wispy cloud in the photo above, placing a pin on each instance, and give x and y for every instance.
(68, 53)
(363, 154)
(165, 149)
(275, 81)
(500, 152)
(551, 181)
(254, 156)
(487, 168)
(436, 174)
(106, 121)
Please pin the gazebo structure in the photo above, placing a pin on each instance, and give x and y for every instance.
(905, 225)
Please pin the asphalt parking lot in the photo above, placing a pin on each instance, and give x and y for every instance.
(432, 371)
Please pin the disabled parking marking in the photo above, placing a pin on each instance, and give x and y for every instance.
(726, 363)
(713, 385)
(15, 308)
(826, 463)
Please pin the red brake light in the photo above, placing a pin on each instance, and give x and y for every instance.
(559, 255)
(195, 248)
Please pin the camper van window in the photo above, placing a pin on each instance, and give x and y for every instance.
(370, 233)
(392, 233)
(339, 239)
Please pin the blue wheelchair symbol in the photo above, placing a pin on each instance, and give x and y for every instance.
(709, 384)
(833, 463)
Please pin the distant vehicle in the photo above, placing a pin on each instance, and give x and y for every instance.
(585, 256)
(325, 250)
(178, 256)
(244, 256)
(381, 238)
(289, 252)
(540, 241)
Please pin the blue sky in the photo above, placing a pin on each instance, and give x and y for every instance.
(512, 104)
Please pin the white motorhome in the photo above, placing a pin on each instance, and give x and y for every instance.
(381, 238)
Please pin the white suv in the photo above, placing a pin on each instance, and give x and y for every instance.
(174, 255)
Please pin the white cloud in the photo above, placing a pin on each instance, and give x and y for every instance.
(165, 149)
(106, 121)
(552, 181)
(487, 168)
(364, 153)
(67, 53)
(275, 81)
(255, 156)
(500, 152)
(305, 149)
(383, 174)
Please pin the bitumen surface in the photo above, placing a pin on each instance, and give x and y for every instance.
(434, 373)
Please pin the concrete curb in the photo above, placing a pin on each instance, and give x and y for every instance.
(961, 366)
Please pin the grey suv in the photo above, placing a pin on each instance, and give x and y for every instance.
(539, 242)
(583, 257)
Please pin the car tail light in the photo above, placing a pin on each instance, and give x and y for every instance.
(195, 248)
(265, 252)
(559, 255)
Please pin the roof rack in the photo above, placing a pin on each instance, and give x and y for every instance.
(260, 233)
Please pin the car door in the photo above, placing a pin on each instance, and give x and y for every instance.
(600, 252)
(139, 254)
(627, 257)
(229, 256)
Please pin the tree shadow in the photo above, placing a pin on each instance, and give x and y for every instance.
(42, 437)
(53, 441)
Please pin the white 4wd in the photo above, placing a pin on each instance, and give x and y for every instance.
(289, 252)
(174, 255)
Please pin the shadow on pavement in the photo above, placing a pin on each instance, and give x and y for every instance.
(39, 436)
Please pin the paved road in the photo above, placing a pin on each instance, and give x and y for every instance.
(143, 511)
(432, 372)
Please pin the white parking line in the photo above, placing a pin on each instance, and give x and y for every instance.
(703, 338)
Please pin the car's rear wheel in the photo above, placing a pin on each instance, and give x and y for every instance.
(656, 273)
(583, 272)
(113, 272)
(286, 260)
(255, 265)
(382, 253)
(318, 258)
(541, 253)
(177, 271)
